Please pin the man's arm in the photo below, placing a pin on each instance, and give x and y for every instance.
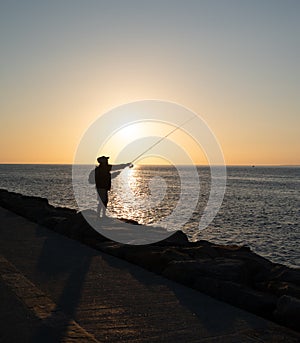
(120, 166)
(115, 174)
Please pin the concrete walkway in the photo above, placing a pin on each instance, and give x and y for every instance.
(54, 289)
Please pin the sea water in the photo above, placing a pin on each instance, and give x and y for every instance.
(260, 206)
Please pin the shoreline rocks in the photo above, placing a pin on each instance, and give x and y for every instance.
(233, 274)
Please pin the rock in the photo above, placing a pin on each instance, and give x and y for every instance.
(153, 258)
(219, 268)
(185, 272)
(158, 260)
(256, 268)
(150, 259)
(289, 275)
(279, 288)
(30, 207)
(76, 227)
(288, 311)
(224, 269)
(129, 221)
(202, 251)
(232, 248)
(260, 303)
(178, 238)
(51, 222)
(208, 285)
(34, 208)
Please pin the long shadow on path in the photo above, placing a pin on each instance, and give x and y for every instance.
(66, 262)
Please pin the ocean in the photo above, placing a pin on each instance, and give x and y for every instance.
(260, 208)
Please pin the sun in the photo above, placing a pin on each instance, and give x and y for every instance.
(121, 138)
(139, 131)
(129, 132)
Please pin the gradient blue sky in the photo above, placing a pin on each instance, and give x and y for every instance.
(236, 63)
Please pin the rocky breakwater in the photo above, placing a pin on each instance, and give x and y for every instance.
(233, 274)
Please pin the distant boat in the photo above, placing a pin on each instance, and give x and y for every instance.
(253, 166)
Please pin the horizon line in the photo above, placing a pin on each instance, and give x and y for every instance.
(160, 165)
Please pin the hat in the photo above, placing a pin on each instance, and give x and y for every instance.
(102, 158)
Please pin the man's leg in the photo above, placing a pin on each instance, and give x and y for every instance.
(103, 200)
(100, 205)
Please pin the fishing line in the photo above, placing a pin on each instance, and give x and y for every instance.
(161, 139)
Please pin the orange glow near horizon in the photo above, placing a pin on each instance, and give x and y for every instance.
(162, 151)
(60, 147)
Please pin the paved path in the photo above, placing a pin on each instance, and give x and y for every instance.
(54, 289)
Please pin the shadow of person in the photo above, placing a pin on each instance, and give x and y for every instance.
(62, 264)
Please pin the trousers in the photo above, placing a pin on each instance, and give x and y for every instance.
(103, 195)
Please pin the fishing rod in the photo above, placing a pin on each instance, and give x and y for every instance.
(161, 139)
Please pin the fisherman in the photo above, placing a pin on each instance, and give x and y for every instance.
(103, 178)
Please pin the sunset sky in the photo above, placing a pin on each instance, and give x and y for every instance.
(235, 63)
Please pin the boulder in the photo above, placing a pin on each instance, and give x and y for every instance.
(288, 311)
(260, 303)
(279, 288)
(201, 251)
(76, 227)
(129, 221)
(288, 275)
(178, 238)
(185, 272)
(34, 208)
(157, 260)
(51, 222)
(151, 257)
(224, 269)
(219, 268)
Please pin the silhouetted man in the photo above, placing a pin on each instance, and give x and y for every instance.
(103, 181)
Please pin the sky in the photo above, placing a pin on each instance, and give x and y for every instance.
(235, 63)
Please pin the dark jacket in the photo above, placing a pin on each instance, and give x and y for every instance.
(103, 176)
